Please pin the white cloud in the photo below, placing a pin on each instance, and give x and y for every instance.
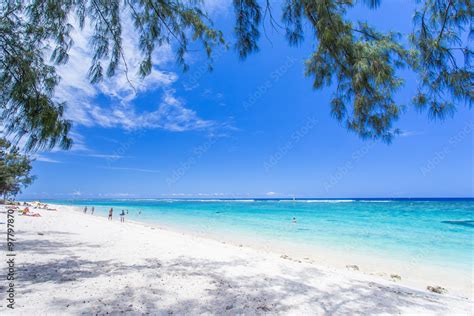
(117, 195)
(79, 143)
(105, 156)
(45, 159)
(132, 169)
(117, 106)
(410, 133)
(271, 193)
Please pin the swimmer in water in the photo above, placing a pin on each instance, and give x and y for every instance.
(293, 220)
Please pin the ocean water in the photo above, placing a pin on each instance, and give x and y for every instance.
(438, 232)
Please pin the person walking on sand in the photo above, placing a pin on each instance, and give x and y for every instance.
(110, 213)
(122, 217)
(92, 211)
(85, 210)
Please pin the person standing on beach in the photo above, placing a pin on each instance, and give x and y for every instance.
(122, 217)
(92, 211)
(110, 213)
(85, 210)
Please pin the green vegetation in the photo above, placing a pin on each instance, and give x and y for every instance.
(14, 170)
(362, 62)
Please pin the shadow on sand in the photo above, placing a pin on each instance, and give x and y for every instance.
(224, 294)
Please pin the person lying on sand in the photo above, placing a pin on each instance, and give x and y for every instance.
(33, 214)
(26, 212)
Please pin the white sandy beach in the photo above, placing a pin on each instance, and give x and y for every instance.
(71, 263)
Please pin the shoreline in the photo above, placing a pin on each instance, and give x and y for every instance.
(417, 275)
(68, 261)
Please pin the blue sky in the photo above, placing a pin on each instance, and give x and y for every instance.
(252, 128)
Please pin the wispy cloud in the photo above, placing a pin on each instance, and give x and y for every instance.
(117, 195)
(410, 133)
(79, 143)
(116, 107)
(131, 169)
(45, 159)
(103, 156)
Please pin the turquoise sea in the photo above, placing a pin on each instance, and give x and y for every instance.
(435, 231)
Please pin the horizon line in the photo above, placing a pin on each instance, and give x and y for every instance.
(252, 198)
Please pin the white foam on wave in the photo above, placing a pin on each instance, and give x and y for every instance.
(221, 200)
(329, 201)
(181, 200)
(136, 199)
(319, 201)
(204, 200)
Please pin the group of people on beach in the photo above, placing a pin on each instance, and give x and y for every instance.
(111, 212)
(122, 215)
(35, 205)
(92, 210)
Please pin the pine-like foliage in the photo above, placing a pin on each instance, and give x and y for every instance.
(15, 170)
(361, 61)
(28, 29)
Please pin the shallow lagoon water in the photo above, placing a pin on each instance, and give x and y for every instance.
(438, 232)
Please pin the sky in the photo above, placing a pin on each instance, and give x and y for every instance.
(252, 128)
